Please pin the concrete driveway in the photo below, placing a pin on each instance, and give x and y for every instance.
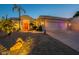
(69, 38)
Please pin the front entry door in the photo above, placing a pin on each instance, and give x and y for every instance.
(25, 25)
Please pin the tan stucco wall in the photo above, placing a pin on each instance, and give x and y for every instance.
(75, 26)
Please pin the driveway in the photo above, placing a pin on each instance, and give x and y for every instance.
(46, 45)
(69, 38)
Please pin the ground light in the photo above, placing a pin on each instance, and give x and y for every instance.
(21, 47)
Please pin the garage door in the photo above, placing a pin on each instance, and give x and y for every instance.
(53, 26)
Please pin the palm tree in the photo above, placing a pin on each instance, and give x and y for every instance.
(6, 16)
(19, 9)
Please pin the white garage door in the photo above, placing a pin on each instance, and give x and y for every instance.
(53, 26)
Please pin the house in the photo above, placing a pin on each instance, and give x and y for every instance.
(52, 23)
(24, 22)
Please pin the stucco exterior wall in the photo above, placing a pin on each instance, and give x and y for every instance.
(75, 24)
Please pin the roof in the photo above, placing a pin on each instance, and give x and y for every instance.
(23, 16)
(26, 17)
(52, 18)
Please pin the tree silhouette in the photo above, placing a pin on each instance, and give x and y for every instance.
(76, 14)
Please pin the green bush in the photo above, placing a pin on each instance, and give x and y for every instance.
(7, 26)
(39, 28)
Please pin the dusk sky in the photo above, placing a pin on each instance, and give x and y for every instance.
(35, 10)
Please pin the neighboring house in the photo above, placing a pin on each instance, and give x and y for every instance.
(75, 24)
(54, 23)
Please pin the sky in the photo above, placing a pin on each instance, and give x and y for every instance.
(35, 10)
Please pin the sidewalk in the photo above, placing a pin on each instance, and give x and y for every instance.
(67, 37)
